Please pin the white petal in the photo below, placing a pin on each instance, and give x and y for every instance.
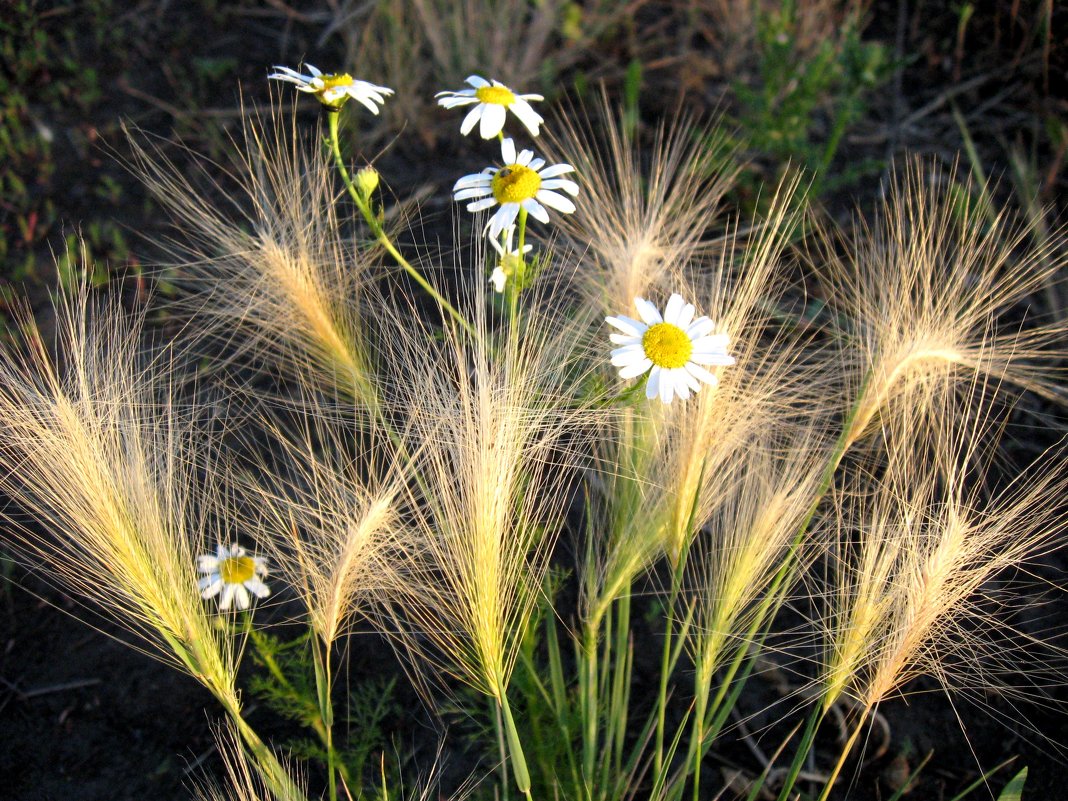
(221, 552)
(227, 596)
(530, 97)
(492, 121)
(561, 183)
(636, 369)
(680, 379)
(555, 170)
(507, 150)
(536, 164)
(476, 81)
(535, 209)
(699, 328)
(652, 389)
(700, 373)
(686, 316)
(503, 217)
(647, 311)
(719, 359)
(257, 588)
(627, 325)
(241, 594)
(714, 342)
(207, 563)
(524, 157)
(472, 117)
(621, 357)
(667, 386)
(624, 339)
(684, 377)
(456, 102)
(525, 114)
(481, 205)
(555, 200)
(475, 179)
(211, 589)
(475, 191)
(674, 305)
(315, 71)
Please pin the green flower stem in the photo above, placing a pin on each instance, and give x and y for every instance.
(323, 687)
(842, 757)
(376, 227)
(520, 268)
(665, 665)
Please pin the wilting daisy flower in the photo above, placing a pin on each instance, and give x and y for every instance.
(494, 99)
(672, 347)
(520, 183)
(508, 259)
(334, 89)
(233, 573)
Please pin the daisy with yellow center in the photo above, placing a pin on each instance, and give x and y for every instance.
(333, 89)
(493, 100)
(672, 347)
(235, 574)
(524, 182)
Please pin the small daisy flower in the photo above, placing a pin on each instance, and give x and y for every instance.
(494, 100)
(523, 182)
(334, 89)
(508, 260)
(233, 573)
(672, 347)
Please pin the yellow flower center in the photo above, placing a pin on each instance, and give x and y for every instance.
(337, 81)
(667, 345)
(498, 95)
(515, 183)
(237, 569)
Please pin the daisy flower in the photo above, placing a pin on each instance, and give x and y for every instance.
(523, 182)
(334, 89)
(235, 574)
(508, 259)
(672, 347)
(494, 100)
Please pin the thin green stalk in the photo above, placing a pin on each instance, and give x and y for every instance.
(842, 757)
(665, 660)
(803, 749)
(380, 233)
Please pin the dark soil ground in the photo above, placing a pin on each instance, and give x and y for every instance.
(84, 717)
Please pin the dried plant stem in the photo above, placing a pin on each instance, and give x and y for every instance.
(380, 233)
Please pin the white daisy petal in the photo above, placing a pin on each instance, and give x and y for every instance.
(555, 170)
(207, 563)
(535, 209)
(686, 316)
(507, 149)
(476, 81)
(471, 119)
(227, 596)
(652, 389)
(561, 183)
(482, 205)
(475, 191)
(492, 122)
(714, 342)
(624, 339)
(674, 306)
(636, 369)
(717, 359)
(556, 201)
(211, 588)
(701, 374)
(528, 116)
(647, 311)
(627, 325)
(502, 218)
(524, 157)
(536, 164)
(241, 596)
(700, 327)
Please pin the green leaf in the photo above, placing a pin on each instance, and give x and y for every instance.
(1014, 789)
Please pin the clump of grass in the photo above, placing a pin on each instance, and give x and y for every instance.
(102, 460)
(283, 274)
